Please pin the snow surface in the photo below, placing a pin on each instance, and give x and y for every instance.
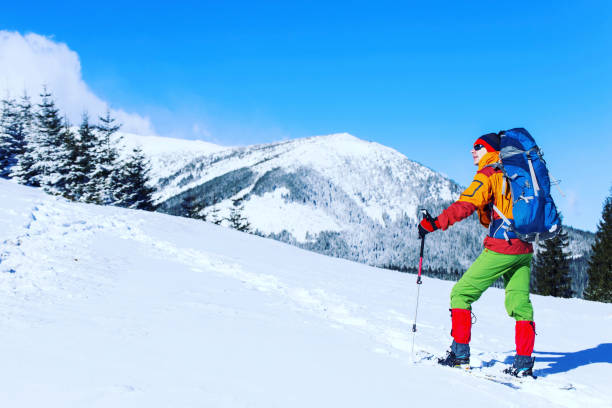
(270, 213)
(107, 307)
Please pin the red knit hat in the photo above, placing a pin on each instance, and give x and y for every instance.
(491, 142)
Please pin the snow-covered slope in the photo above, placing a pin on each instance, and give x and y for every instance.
(101, 307)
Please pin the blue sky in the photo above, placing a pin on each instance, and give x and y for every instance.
(425, 78)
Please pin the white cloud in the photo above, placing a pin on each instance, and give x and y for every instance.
(27, 62)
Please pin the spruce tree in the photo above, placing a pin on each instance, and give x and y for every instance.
(213, 214)
(106, 162)
(214, 217)
(52, 156)
(191, 209)
(64, 165)
(599, 287)
(12, 141)
(131, 183)
(25, 170)
(551, 268)
(5, 112)
(82, 160)
(236, 220)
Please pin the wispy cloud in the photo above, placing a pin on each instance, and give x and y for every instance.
(27, 62)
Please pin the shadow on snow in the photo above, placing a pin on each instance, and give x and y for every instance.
(563, 362)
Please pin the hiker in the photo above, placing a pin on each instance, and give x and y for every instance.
(504, 255)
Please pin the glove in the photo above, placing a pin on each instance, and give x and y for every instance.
(427, 225)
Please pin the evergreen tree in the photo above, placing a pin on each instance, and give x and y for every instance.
(26, 114)
(599, 287)
(52, 154)
(64, 162)
(106, 162)
(131, 183)
(236, 220)
(214, 217)
(5, 113)
(191, 209)
(25, 170)
(12, 143)
(82, 158)
(551, 268)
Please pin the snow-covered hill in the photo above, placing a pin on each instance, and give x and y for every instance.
(102, 306)
(334, 194)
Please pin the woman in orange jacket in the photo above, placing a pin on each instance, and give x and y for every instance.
(504, 255)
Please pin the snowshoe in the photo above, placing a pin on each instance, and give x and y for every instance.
(458, 356)
(522, 367)
(452, 360)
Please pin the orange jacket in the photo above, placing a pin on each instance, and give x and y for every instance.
(487, 189)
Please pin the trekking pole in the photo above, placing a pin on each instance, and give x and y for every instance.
(419, 282)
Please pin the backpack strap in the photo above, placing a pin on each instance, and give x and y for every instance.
(555, 182)
(507, 224)
(534, 179)
(506, 179)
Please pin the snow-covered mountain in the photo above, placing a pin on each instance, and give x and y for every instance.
(333, 194)
(108, 307)
(382, 182)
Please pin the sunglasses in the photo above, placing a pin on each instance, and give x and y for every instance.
(478, 147)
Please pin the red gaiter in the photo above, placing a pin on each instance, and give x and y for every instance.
(525, 337)
(462, 325)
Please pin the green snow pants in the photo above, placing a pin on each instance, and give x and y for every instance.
(486, 269)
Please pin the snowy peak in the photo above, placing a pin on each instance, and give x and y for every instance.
(331, 147)
(341, 142)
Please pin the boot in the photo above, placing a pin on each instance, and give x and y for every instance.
(522, 367)
(524, 338)
(458, 356)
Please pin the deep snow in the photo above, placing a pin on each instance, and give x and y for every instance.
(107, 307)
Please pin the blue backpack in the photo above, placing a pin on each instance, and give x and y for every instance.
(534, 214)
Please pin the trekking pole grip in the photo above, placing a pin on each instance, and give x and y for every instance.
(422, 246)
(426, 216)
(421, 261)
